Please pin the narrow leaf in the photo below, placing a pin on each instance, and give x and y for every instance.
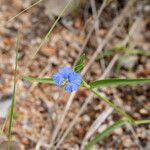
(122, 50)
(39, 80)
(48, 34)
(80, 64)
(116, 82)
(14, 93)
(101, 135)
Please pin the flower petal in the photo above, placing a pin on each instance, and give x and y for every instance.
(58, 78)
(74, 78)
(65, 71)
(70, 87)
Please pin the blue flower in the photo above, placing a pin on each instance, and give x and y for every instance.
(69, 78)
(65, 71)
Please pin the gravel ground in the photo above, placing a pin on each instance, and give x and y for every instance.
(39, 106)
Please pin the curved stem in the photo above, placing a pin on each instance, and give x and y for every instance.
(116, 108)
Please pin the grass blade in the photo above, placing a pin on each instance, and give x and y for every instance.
(47, 36)
(101, 135)
(14, 93)
(109, 129)
(20, 13)
(39, 80)
(116, 82)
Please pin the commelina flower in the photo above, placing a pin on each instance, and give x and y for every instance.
(67, 77)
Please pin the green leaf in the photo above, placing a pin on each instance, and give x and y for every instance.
(111, 51)
(137, 52)
(80, 64)
(116, 82)
(123, 51)
(101, 135)
(11, 113)
(39, 80)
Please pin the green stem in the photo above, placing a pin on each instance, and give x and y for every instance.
(109, 129)
(104, 133)
(47, 36)
(116, 108)
(11, 113)
(142, 122)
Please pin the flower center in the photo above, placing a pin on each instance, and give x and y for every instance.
(65, 81)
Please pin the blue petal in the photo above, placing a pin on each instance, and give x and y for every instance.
(58, 78)
(70, 87)
(74, 78)
(65, 71)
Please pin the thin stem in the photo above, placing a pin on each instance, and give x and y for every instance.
(13, 95)
(116, 108)
(20, 13)
(4, 125)
(142, 122)
(24, 11)
(109, 129)
(47, 36)
(104, 133)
